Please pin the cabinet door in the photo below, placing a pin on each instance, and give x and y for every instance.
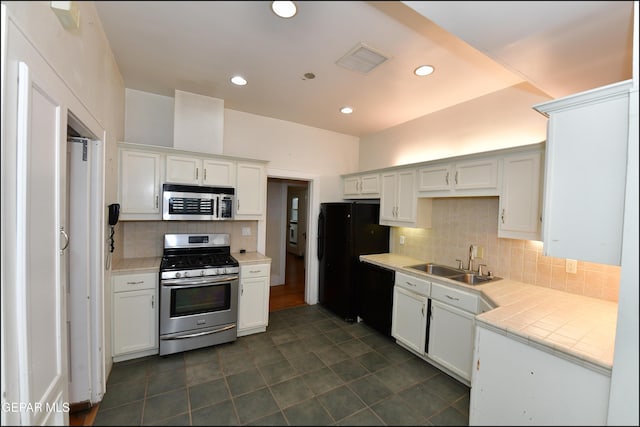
(140, 183)
(253, 303)
(451, 338)
(476, 174)
(434, 178)
(585, 174)
(250, 191)
(135, 326)
(184, 170)
(351, 186)
(406, 197)
(520, 216)
(370, 185)
(388, 197)
(218, 172)
(409, 319)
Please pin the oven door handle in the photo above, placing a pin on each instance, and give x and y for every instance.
(191, 283)
(199, 334)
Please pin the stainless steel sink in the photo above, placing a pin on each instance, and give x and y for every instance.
(437, 269)
(464, 276)
(474, 278)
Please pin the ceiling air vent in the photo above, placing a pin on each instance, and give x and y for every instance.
(362, 59)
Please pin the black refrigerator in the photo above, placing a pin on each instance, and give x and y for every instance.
(346, 230)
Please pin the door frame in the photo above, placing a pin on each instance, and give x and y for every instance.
(313, 209)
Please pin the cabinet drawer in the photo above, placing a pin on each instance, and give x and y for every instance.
(134, 282)
(454, 297)
(254, 270)
(414, 284)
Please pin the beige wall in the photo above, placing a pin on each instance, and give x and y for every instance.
(459, 222)
(499, 120)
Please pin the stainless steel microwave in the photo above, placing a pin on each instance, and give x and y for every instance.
(196, 203)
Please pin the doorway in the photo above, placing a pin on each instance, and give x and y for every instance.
(287, 207)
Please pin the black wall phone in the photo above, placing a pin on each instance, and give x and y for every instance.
(114, 214)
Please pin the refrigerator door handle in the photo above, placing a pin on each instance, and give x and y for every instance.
(320, 236)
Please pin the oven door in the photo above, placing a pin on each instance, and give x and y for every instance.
(197, 303)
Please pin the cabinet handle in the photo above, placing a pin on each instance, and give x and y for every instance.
(196, 173)
(254, 271)
(502, 216)
(135, 283)
(452, 298)
(241, 290)
(156, 201)
(205, 174)
(422, 310)
(410, 284)
(446, 178)
(238, 209)
(456, 178)
(153, 301)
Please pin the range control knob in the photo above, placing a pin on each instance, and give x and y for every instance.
(201, 272)
(186, 274)
(178, 275)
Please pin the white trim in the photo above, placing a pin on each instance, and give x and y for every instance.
(311, 260)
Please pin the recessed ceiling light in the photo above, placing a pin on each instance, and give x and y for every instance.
(238, 80)
(423, 70)
(284, 9)
(346, 110)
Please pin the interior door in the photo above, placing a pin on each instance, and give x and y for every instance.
(35, 332)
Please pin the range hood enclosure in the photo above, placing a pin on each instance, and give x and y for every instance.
(198, 123)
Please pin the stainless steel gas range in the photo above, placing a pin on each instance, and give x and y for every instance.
(198, 292)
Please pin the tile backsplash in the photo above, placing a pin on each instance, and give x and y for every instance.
(458, 223)
(140, 239)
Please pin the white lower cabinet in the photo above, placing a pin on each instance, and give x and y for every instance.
(451, 338)
(451, 330)
(410, 310)
(515, 383)
(135, 315)
(253, 301)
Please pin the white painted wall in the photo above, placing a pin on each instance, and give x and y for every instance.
(83, 60)
(276, 215)
(198, 123)
(499, 120)
(293, 147)
(148, 118)
(625, 388)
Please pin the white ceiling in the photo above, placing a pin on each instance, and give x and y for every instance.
(476, 47)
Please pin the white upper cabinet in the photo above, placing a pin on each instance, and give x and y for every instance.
(251, 190)
(218, 172)
(139, 185)
(399, 204)
(361, 186)
(520, 213)
(184, 170)
(199, 171)
(585, 174)
(478, 177)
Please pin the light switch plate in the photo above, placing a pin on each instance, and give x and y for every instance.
(571, 266)
(246, 231)
(402, 240)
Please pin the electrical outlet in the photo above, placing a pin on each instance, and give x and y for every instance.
(571, 266)
(479, 252)
(246, 231)
(402, 240)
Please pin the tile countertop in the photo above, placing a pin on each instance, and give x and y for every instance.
(248, 258)
(577, 328)
(137, 265)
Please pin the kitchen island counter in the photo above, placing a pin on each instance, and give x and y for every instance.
(574, 327)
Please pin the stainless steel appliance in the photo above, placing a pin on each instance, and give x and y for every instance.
(198, 203)
(198, 292)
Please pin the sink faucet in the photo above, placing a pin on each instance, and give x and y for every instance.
(470, 258)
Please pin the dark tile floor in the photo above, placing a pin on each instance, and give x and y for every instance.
(309, 368)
